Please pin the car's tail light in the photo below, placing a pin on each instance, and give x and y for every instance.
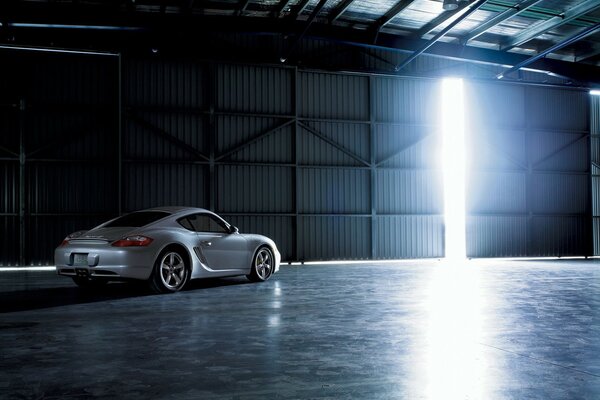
(133, 241)
(71, 236)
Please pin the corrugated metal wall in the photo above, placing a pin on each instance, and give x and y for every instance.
(324, 163)
(529, 186)
(330, 165)
(595, 168)
(59, 147)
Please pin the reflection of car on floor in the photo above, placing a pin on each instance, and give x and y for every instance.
(167, 247)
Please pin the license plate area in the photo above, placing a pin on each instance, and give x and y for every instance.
(80, 259)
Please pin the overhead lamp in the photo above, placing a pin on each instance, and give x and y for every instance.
(450, 5)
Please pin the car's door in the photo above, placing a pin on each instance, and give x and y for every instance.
(220, 249)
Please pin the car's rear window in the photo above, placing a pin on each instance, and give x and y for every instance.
(137, 219)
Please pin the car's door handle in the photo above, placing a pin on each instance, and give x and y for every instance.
(206, 243)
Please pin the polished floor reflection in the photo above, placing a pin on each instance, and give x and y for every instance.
(407, 330)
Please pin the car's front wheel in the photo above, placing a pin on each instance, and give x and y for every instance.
(170, 272)
(262, 265)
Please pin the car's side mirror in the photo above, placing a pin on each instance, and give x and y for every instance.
(233, 229)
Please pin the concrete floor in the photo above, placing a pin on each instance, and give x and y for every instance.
(409, 330)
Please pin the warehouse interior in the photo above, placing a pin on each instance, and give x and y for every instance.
(429, 171)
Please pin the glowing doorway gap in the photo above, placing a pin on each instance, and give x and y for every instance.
(453, 158)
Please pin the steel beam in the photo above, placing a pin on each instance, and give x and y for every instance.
(254, 139)
(170, 26)
(584, 57)
(309, 22)
(437, 21)
(242, 7)
(283, 4)
(558, 46)
(501, 17)
(392, 13)
(299, 8)
(334, 144)
(339, 10)
(167, 136)
(554, 22)
(22, 182)
(440, 34)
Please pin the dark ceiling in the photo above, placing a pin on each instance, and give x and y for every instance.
(559, 37)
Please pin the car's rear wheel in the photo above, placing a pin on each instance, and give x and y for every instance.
(170, 272)
(262, 265)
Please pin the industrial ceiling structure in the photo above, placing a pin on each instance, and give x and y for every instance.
(559, 38)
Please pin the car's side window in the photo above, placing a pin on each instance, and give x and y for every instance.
(185, 222)
(205, 223)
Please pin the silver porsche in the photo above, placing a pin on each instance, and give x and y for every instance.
(167, 247)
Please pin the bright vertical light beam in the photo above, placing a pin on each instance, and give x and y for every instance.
(453, 158)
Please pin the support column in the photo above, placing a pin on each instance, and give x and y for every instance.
(22, 203)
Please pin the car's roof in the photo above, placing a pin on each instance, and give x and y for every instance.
(177, 209)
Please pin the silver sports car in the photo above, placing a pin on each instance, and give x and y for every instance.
(166, 246)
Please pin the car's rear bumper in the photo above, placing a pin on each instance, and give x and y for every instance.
(105, 262)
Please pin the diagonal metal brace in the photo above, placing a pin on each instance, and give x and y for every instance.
(254, 140)
(167, 136)
(334, 144)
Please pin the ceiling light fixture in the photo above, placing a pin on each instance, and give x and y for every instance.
(450, 5)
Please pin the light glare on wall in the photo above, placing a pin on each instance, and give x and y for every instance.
(454, 156)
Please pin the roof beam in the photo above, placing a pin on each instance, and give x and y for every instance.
(498, 19)
(586, 32)
(471, 9)
(283, 4)
(309, 22)
(583, 57)
(242, 7)
(339, 10)
(549, 24)
(299, 8)
(392, 13)
(437, 21)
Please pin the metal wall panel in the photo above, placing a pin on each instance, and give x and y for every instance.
(334, 191)
(405, 100)
(333, 96)
(9, 245)
(171, 85)
(254, 189)
(60, 188)
(236, 131)
(559, 151)
(151, 135)
(558, 109)
(254, 89)
(9, 185)
(529, 186)
(407, 146)
(497, 192)
(334, 238)
(159, 184)
(409, 192)
(560, 236)
(61, 130)
(353, 137)
(497, 236)
(559, 194)
(595, 171)
(410, 236)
